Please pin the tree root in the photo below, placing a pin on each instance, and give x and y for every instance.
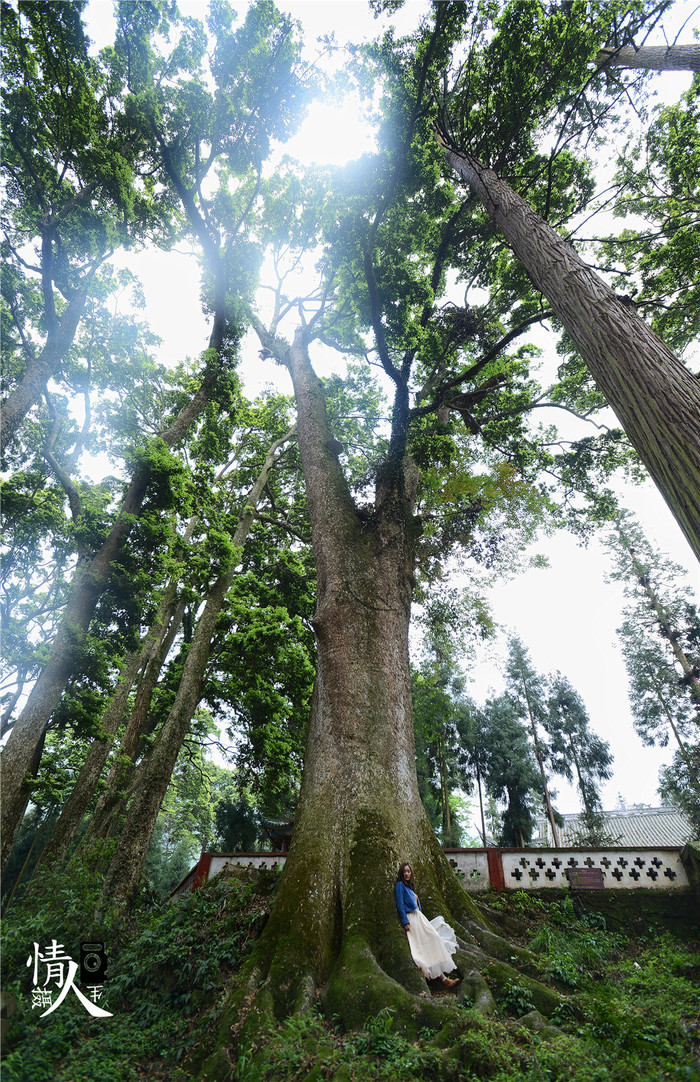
(373, 977)
(475, 993)
(334, 943)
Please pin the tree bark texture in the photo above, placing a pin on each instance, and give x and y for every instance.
(157, 642)
(652, 57)
(89, 583)
(656, 399)
(40, 369)
(124, 874)
(359, 814)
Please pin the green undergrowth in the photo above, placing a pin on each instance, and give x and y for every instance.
(629, 1010)
(168, 970)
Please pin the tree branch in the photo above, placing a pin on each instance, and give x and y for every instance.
(283, 525)
(490, 355)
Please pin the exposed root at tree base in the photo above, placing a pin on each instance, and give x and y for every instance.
(278, 984)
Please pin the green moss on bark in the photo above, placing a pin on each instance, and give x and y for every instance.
(359, 989)
(500, 976)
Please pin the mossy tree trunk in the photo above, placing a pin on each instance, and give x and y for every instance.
(334, 930)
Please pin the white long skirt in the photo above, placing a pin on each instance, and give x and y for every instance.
(432, 944)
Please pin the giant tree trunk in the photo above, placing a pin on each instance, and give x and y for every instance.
(656, 399)
(90, 581)
(334, 928)
(652, 57)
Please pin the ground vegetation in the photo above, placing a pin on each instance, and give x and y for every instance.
(628, 1010)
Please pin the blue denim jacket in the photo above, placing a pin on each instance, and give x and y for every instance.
(406, 900)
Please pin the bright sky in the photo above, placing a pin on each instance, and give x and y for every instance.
(566, 615)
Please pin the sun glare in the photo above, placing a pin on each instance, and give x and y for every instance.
(333, 135)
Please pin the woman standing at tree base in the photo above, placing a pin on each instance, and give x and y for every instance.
(432, 942)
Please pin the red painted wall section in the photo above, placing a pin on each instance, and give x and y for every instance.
(202, 873)
(498, 879)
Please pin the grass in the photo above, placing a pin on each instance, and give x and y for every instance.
(630, 1014)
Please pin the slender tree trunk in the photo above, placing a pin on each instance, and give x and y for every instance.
(652, 57)
(25, 863)
(80, 796)
(5, 724)
(123, 876)
(111, 802)
(481, 807)
(76, 806)
(40, 369)
(669, 632)
(446, 814)
(545, 787)
(89, 584)
(681, 744)
(581, 786)
(656, 399)
(540, 762)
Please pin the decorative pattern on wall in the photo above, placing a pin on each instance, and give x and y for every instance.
(645, 868)
(537, 869)
(509, 869)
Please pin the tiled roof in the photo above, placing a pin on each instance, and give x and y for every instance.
(630, 827)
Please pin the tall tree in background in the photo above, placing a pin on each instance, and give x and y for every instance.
(511, 772)
(444, 724)
(659, 601)
(578, 752)
(660, 639)
(528, 692)
(658, 697)
(446, 720)
(679, 784)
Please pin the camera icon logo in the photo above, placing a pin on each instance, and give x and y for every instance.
(93, 962)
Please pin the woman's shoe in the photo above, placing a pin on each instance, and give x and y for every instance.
(449, 983)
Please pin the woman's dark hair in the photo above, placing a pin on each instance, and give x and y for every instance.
(399, 877)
